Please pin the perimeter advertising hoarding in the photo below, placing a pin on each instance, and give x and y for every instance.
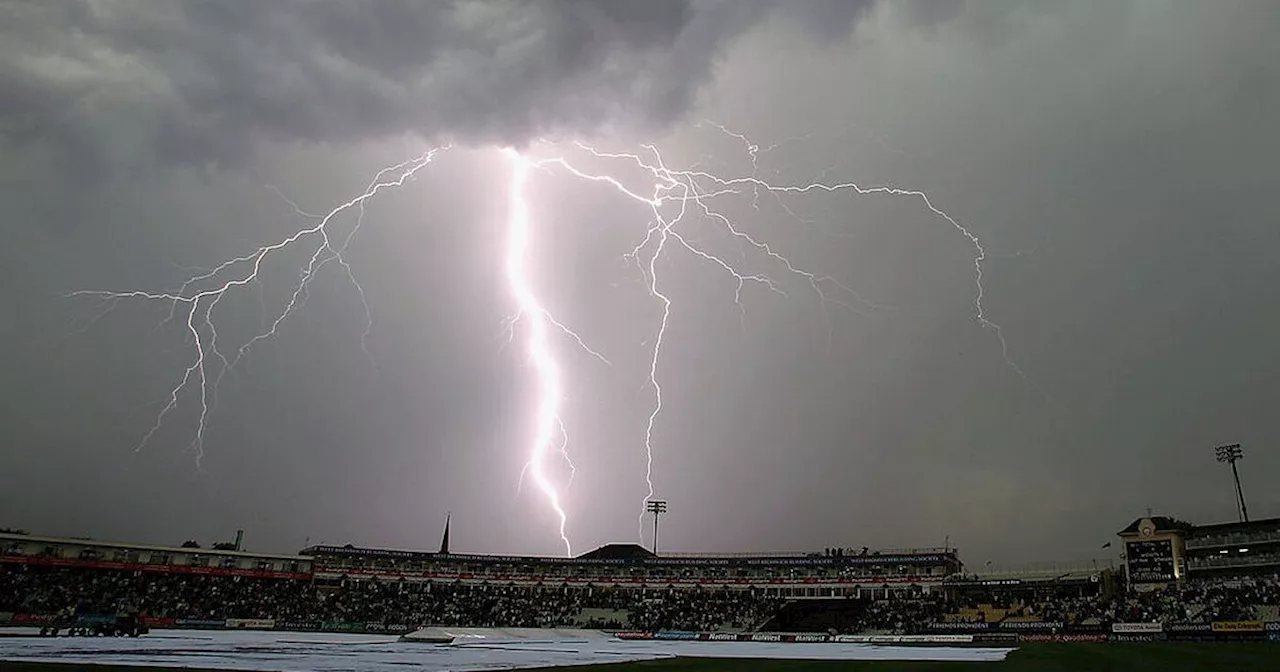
(251, 623)
(1238, 626)
(1009, 626)
(1083, 637)
(959, 625)
(903, 639)
(200, 623)
(1138, 637)
(299, 626)
(29, 619)
(378, 627)
(1031, 626)
(995, 637)
(1135, 628)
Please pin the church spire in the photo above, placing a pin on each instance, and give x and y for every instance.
(444, 540)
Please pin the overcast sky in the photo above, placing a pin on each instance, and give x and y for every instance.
(1115, 159)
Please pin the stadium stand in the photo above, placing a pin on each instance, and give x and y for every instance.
(625, 587)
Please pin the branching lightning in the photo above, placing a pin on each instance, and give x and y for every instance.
(676, 195)
(243, 271)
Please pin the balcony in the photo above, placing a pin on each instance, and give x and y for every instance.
(1255, 538)
(1234, 561)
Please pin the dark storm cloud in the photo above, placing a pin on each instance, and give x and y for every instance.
(200, 80)
(1131, 145)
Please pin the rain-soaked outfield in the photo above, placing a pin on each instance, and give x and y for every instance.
(469, 650)
(313, 652)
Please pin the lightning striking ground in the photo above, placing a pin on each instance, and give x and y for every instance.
(677, 195)
(547, 369)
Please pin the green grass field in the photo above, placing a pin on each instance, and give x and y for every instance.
(1105, 657)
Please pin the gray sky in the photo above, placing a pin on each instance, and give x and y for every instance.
(1116, 160)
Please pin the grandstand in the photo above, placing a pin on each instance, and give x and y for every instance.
(1160, 551)
(867, 574)
(1175, 577)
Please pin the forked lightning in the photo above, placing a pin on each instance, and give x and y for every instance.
(676, 195)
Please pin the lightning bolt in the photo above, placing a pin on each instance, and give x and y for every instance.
(547, 370)
(682, 188)
(674, 197)
(198, 304)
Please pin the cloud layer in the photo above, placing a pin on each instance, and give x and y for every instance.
(199, 80)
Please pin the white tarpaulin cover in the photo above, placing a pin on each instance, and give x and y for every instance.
(321, 652)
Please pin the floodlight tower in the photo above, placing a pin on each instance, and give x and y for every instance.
(1230, 454)
(657, 507)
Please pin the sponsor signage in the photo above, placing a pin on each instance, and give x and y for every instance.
(251, 623)
(160, 622)
(765, 637)
(946, 639)
(1190, 627)
(1045, 637)
(1238, 626)
(298, 626)
(958, 625)
(378, 626)
(1136, 637)
(1273, 636)
(683, 636)
(993, 637)
(1031, 625)
(722, 637)
(1136, 627)
(805, 638)
(1272, 626)
(199, 623)
(633, 635)
(903, 639)
(31, 618)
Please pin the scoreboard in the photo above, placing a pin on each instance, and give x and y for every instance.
(1150, 561)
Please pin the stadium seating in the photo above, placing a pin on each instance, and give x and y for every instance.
(26, 589)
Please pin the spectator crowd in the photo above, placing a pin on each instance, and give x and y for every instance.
(37, 590)
(32, 590)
